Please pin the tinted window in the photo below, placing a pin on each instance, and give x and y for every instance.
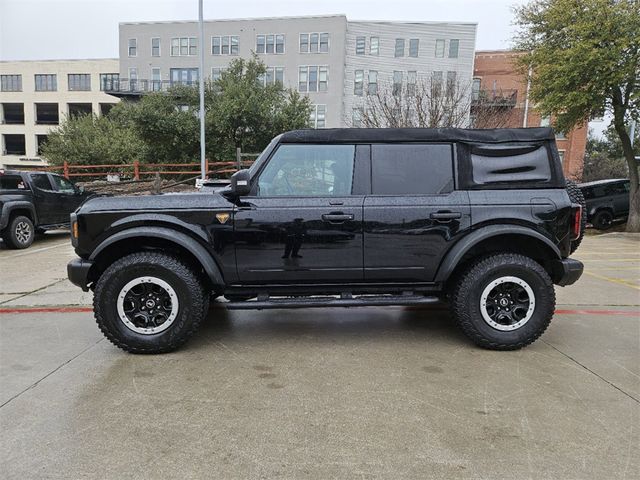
(63, 185)
(616, 189)
(308, 170)
(41, 181)
(411, 169)
(510, 163)
(11, 182)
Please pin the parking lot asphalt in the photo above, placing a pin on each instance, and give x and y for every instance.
(327, 393)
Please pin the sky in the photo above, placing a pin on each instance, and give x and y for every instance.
(69, 29)
(66, 29)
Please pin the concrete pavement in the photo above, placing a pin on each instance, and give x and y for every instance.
(359, 393)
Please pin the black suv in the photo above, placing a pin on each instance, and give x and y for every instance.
(344, 218)
(607, 200)
(33, 202)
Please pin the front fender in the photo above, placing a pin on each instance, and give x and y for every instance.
(455, 254)
(183, 240)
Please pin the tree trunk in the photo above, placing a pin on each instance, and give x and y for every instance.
(633, 222)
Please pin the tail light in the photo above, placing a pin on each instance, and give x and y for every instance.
(577, 221)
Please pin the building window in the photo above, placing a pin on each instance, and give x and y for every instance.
(414, 45)
(412, 80)
(79, 109)
(216, 74)
(304, 43)
(40, 141)
(184, 76)
(314, 42)
(156, 80)
(184, 46)
(14, 144)
(47, 114)
(46, 82)
(475, 88)
(272, 43)
(324, 43)
(454, 44)
(356, 117)
(374, 46)
(440, 48)
(313, 78)
(79, 82)
(561, 154)
(545, 121)
(226, 45)
(272, 75)
(360, 45)
(133, 47)
(13, 113)
(399, 52)
(372, 87)
(109, 81)
(105, 108)
(155, 47)
(358, 82)
(317, 118)
(451, 82)
(10, 83)
(436, 79)
(397, 82)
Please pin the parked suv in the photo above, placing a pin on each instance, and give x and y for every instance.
(33, 202)
(344, 218)
(607, 200)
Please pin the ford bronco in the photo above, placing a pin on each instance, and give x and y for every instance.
(480, 219)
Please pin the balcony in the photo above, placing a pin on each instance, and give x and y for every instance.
(494, 98)
(126, 87)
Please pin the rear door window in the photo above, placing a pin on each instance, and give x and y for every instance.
(510, 164)
(411, 169)
(41, 181)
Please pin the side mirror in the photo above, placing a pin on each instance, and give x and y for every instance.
(241, 183)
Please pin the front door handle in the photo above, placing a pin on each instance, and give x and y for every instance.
(444, 217)
(337, 217)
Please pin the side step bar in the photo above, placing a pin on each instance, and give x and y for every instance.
(345, 300)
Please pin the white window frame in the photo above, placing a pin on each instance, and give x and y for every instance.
(320, 69)
(417, 42)
(358, 92)
(135, 47)
(220, 71)
(156, 84)
(412, 82)
(274, 75)
(404, 47)
(364, 45)
(275, 43)
(377, 43)
(191, 42)
(307, 36)
(159, 46)
(457, 40)
(369, 82)
(443, 42)
(313, 116)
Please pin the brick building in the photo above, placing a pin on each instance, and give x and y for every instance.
(499, 87)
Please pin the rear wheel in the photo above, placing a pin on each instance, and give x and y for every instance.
(503, 301)
(603, 220)
(149, 302)
(19, 233)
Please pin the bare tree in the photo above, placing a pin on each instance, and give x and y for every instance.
(425, 104)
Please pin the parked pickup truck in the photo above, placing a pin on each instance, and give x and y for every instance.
(482, 219)
(33, 202)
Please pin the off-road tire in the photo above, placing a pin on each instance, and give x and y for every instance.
(11, 236)
(603, 220)
(186, 283)
(576, 196)
(465, 301)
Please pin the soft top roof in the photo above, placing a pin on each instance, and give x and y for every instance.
(362, 135)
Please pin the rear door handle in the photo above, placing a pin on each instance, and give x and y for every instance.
(445, 216)
(337, 217)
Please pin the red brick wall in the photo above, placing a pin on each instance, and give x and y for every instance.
(496, 71)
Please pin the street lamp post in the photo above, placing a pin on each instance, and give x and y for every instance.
(203, 168)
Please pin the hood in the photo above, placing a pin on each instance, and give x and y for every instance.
(147, 203)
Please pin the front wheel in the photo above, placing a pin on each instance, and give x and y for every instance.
(149, 302)
(503, 301)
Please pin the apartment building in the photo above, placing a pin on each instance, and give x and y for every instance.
(35, 96)
(327, 58)
(499, 86)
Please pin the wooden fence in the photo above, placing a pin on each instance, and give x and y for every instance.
(137, 170)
